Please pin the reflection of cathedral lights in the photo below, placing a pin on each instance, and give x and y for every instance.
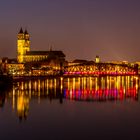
(51, 83)
(22, 106)
(61, 84)
(47, 86)
(38, 87)
(35, 86)
(30, 89)
(22, 86)
(55, 86)
(13, 99)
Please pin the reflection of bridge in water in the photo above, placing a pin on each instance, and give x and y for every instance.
(102, 88)
(77, 88)
(92, 68)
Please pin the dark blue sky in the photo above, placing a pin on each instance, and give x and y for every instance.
(81, 28)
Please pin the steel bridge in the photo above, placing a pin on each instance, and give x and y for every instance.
(101, 69)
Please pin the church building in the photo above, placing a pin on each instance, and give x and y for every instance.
(24, 53)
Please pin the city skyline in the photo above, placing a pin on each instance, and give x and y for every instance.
(80, 28)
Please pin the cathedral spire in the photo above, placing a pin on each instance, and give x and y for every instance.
(21, 31)
(25, 31)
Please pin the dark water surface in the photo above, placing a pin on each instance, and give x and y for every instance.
(71, 108)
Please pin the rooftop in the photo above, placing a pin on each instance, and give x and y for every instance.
(59, 53)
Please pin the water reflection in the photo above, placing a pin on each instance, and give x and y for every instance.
(101, 88)
(4, 91)
(2, 99)
(79, 88)
(25, 91)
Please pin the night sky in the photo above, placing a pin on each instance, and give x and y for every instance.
(80, 28)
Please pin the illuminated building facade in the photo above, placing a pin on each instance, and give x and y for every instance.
(23, 45)
(11, 66)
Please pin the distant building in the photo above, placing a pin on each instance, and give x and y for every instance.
(11, 66)
(97, 59)
(118, 62)
(77, 62)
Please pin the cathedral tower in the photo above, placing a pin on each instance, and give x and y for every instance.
(23, 45)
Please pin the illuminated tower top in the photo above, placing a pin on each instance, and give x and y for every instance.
(21, 31)
(26, 35)
(23, 45)
(21, 34)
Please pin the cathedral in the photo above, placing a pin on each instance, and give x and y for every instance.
(32, 62)
(24, 54)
